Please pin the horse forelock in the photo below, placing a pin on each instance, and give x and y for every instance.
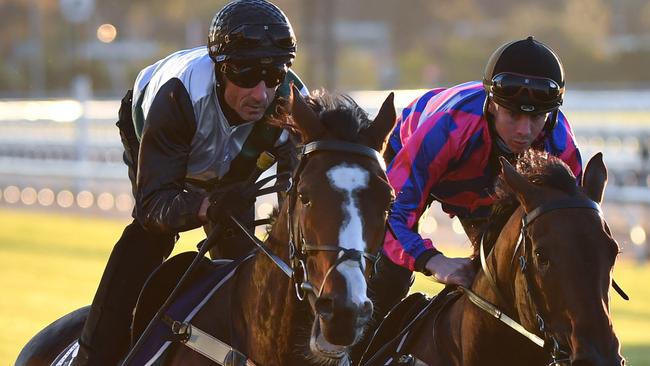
(340, 115)
(543, 170)
(342, 118)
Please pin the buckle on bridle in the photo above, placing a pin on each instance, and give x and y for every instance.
(301, 284)
(558, 355)
(181, 331)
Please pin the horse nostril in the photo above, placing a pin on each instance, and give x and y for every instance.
(365, 311)
(325, 307)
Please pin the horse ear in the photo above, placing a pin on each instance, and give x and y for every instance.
(378, 131)
(594, 178)
(525, 191)
(304, 117)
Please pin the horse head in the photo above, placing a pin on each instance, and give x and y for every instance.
(566, 254)
(336, 212)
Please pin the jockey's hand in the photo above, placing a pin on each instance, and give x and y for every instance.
(232, 199)
(451, 271)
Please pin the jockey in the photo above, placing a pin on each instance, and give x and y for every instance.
(445, 147)
(195, 123)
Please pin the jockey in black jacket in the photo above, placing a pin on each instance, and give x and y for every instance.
(192, 129)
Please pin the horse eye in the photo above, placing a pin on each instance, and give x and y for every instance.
(304, 199)
(542, 258)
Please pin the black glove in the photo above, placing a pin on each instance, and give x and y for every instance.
(287, 156)
(232, 199)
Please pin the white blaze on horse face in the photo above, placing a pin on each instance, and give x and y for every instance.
(350, 179)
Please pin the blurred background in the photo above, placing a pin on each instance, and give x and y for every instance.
(64, 193)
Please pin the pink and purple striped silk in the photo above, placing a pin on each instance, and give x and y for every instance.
(443, 148)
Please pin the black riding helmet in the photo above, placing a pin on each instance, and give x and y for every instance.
(249, 30)
(525, 76)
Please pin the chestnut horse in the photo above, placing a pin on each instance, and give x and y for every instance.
(312, 310)
(549, 269)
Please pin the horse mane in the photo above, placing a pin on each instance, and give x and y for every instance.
(341, 116)
(541, 169)
(339, 113)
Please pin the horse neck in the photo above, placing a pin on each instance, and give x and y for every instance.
(265, 273)
(272, 311)
(482, 341)
(501, 264)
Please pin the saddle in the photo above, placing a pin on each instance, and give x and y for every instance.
(208, 277)
(385, 346)
(162, 282)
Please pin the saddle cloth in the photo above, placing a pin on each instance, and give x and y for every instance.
(188, 304)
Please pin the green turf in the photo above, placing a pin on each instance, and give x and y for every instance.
(50, 265)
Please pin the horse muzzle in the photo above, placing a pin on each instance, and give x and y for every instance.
(596, 360)
(594, 356)
(342, 321)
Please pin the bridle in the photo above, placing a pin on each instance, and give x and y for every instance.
(296, 270)
(559, 354)
(299, 248)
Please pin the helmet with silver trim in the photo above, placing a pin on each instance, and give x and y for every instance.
(246, 30)
(525, 76)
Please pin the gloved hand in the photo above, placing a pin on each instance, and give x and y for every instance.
(452, 271)
(231, 199)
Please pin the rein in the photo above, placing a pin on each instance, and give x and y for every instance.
(549, 342)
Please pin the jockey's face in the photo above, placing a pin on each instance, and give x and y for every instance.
(249, 103)
(518, 130)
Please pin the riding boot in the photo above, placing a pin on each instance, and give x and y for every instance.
(105, 338)
(386, 288)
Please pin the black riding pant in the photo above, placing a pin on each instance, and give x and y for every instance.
(105, 338)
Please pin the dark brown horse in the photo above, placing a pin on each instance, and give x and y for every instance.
(330, 223)
(334, 213)
(550, 270)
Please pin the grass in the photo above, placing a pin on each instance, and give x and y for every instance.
(50, 264)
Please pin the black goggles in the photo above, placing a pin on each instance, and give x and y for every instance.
(250, 36)
(541, 91)
(250, 76)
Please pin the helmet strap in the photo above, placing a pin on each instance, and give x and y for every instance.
(232, 117)
(218, 77)
(486, 112)
(498, 142)
(551, 121)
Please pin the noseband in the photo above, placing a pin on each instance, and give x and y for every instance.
(298, 254)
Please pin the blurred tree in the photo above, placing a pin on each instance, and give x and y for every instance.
(433, 42)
